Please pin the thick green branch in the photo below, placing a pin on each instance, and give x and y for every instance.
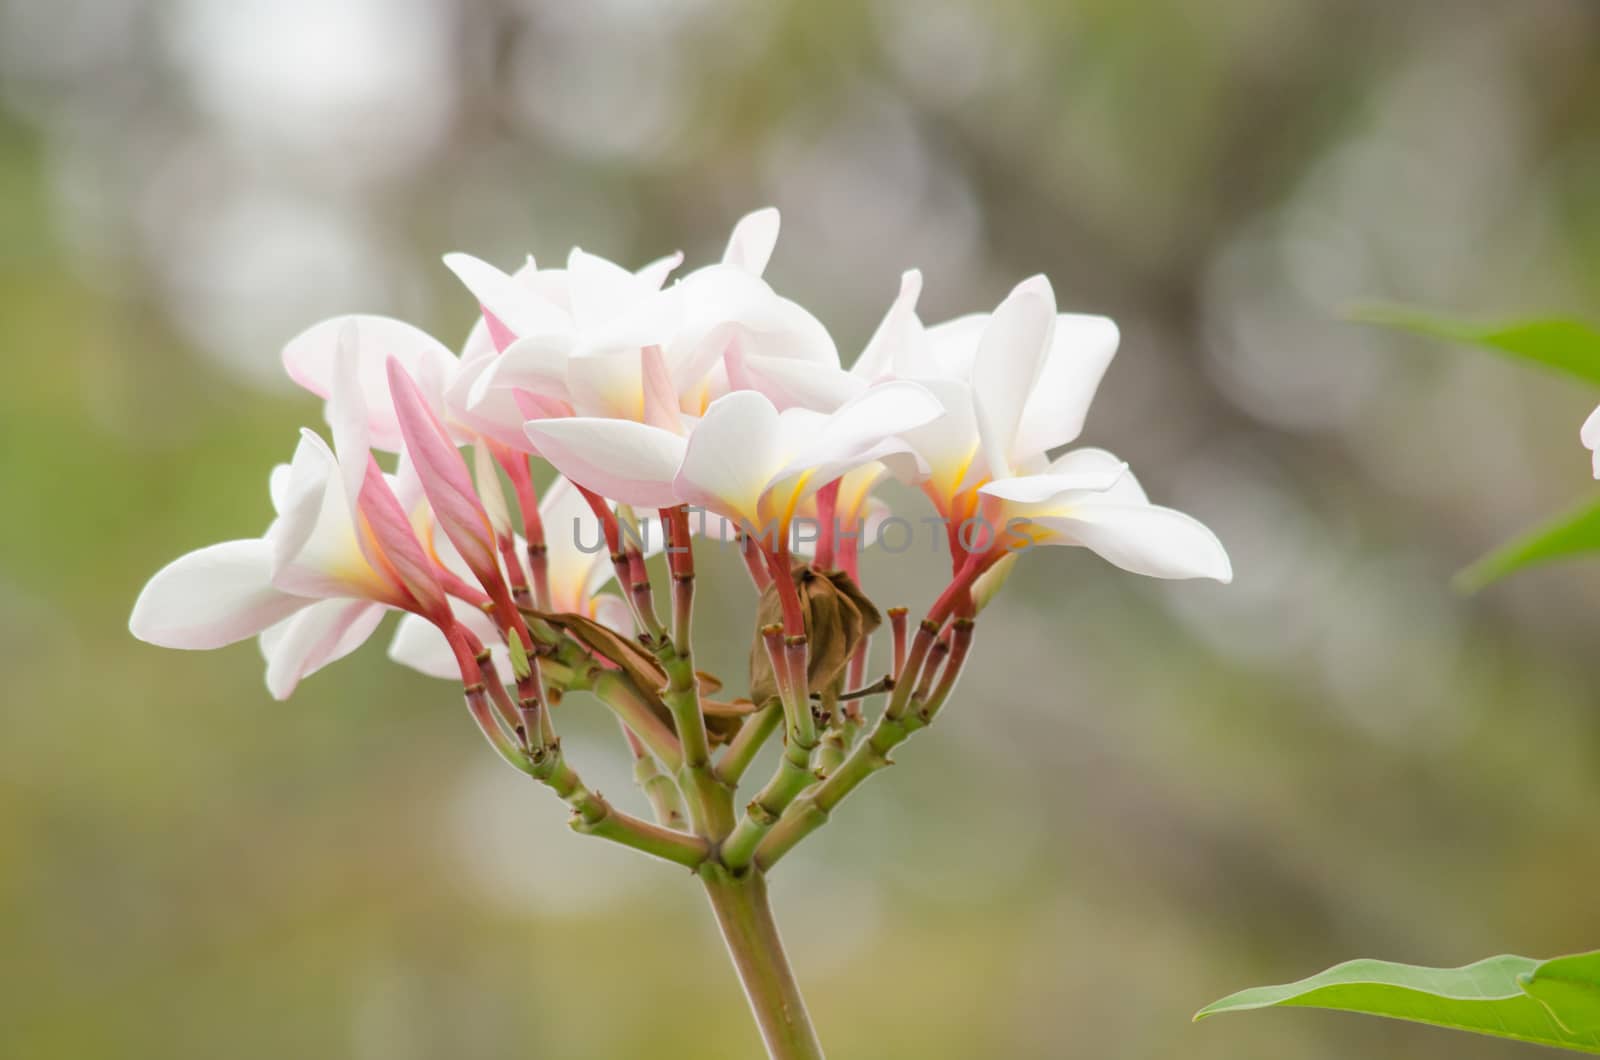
(709, 800)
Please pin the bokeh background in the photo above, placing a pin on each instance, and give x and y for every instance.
(1151, 794)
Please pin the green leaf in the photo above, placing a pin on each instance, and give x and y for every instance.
(1570, 988)
(1573, 534)
(1555, 1003)
(1569, 346)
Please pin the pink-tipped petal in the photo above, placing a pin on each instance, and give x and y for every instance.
(444, 478)
(660, 399)
(212, 597)
(630, 463)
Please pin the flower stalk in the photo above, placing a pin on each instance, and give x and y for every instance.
(744, 915)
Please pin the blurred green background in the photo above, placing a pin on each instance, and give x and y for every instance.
(1150, 794)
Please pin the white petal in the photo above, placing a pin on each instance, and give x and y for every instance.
(723, 305)
(419, 644)
(347, 415)
(655, 274)
(790, 383)
(279, 487)
(732, 455)
(948, 446)
(486, 476)
(537, 363)
(314, 547)
(512, 301)
(495, 413)
(750, 245)
(948, 349)
(1080, 352)
(1034, 489)
(630, 463)
(1125, 489)
(601, 289)
(211, 597)
(897, 336)
(1009, 359)
(1144, 539)
(321, 634)
(609, 385)
(576, 559)
(613, 612)
(881, 412)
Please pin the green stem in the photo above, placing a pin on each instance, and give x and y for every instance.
(710, 801)
(810, 811)
(747, 742)
(764, 811)
(745, 916)
(619, 693)
(903, 716)
(659, 789)
(593, 815)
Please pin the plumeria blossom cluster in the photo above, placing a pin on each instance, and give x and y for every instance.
(659, 409)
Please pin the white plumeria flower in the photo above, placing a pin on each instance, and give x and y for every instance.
(1590, 435)
(746, 460)
(596, 340)
(341, 552)
(1030, 371)
(1015, 384)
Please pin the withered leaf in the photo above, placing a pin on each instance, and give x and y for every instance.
(838, 617)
